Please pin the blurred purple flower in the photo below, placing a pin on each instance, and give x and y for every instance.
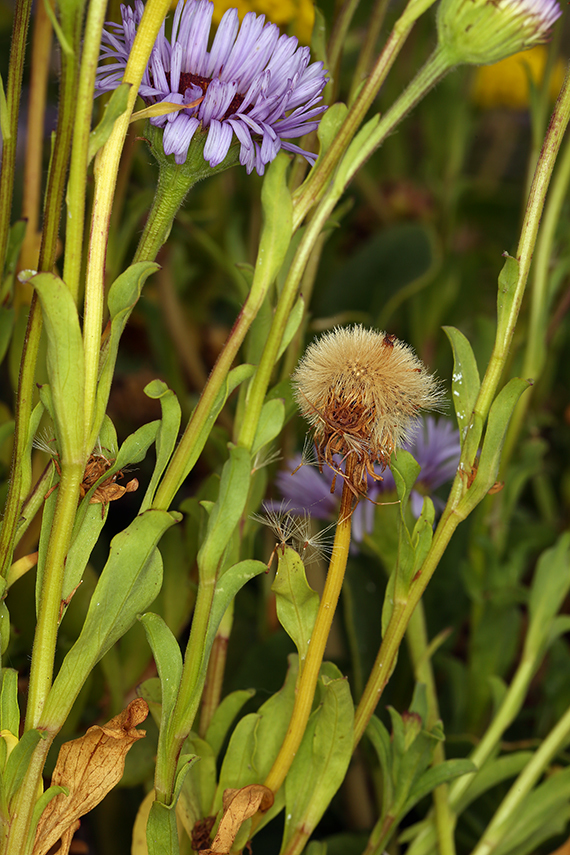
(254, 83)
(435, 447)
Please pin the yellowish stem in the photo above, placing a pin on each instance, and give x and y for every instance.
(323, 623)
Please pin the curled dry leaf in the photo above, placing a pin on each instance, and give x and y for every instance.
(238, 805)
(89, 767)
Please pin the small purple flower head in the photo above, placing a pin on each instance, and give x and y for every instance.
(254, 87)
(435, 447)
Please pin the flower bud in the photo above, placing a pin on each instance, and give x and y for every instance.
(481, 32)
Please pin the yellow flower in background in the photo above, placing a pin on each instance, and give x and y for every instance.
(300, 14)
(506, 83)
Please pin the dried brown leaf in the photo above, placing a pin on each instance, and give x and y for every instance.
(238, 805)
(89, 767)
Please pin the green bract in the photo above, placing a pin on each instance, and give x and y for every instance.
(481, 32)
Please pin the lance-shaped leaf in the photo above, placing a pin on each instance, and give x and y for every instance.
(270, 423)
(9, 709)
(223, 717)
(166, 436)
(89, 520)
(297, 604)
(88, 767)
(499, 418)
(123, 297)
(465, 380)
(323, 757)
(128, 584)
(115, 107)
(277, 220)
(65, 362)
(257, 738)
(405, 471)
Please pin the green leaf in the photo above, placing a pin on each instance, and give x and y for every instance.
(226, 512)
(115, 107)
(499, 417)
(168, 659)
(235, 377)
(353, 152)
(167, 434)
(63, 42)
(550, 586)
(508, 278)
(223, 717)
(228, 586)
(330, 125)
(199, 786)
(277, 227)
(128, 584)
(434, 777)
(9, 709)
(257, 738)
(322, 760)
(405, 471)
(382, 744)
(293, 323)
(90, 520)
(65, 362)
(422, 534)
(297, 604)
(4, 117)
(123, 296)
(465, 382)
(161, 831)
(270, 424)
(18, 763)
(541, 815)
(4, 627)
(41, 805)
(493, 772)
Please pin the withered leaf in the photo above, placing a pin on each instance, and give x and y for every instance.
(238, 805)
(89, 767)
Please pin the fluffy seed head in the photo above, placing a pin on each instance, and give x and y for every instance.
(361, 391)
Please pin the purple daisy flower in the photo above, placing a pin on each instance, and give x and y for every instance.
(435, 447)
(254, 86)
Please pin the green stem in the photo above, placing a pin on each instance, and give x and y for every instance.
(18, 490)
(172, 188)
(260, 383)
(401, 614)
(525, 249)
(320, 177)
(215, 673)
(13, 98)
(61, 145)
(196, 433)
(461, 503)
(18, 842)
(50, 600)
(337, 41)
(31, 191)
(305, 691)
(506, 714)
(541, 297)
(77, 184)
(106, 169)
(173, 734)
(501, 823)
(417, 639)
(364, 61)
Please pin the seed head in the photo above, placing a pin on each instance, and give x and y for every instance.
(362, 391)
